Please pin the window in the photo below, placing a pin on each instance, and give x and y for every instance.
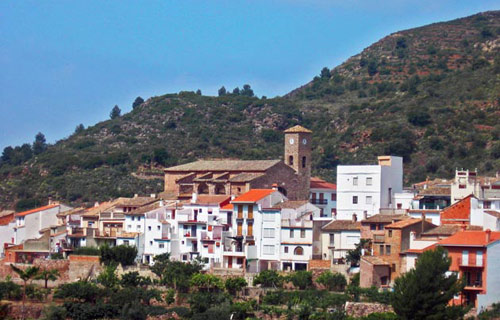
(354, 199)
(465, 258)
(368, 199)
(150, 243)
(149, 228)
(285, 249)
(268, 233)
(129, 226)
(133, 218)
(373, 226)
(390, 233)
(138, 218)
(388, 250)
(479, 258)
(291, 233)
(250, 212)
(332, 239)
(369, 181)
(161, 245)
(299, 251)
(334, 197)
(250, 230)
(487, 205)
(158, 228)
(268, 249)
(381, 247)
(239, 261)
(355, 181)
(138, 227)
(209, 211)
(290, 160)
(303, 162)
(302, 233)
(240, 212)
(126, 242)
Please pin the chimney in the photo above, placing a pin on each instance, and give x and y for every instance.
(50, 201)
(153, 195)
(275, 186)
(136, 195)
(160, 203)
(488, 236)
(194, 197)
(423, 222)
(96, 204)
(354, 218)
(464, 227)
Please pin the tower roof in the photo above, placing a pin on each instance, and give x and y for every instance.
(297, 129)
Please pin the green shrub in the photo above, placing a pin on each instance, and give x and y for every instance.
(87, 251)
(301, 279)
(332, 281)
(268, 279)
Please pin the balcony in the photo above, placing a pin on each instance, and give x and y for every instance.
(474, 285)
(470, 263)
(319, 201)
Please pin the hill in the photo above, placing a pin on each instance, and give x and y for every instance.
(430, 94)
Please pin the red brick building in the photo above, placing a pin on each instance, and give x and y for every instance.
(459, 212)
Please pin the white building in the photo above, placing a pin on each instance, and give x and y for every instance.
(324, 196)
(338, 237)
(362, 190)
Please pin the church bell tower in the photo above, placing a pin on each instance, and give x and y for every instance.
(298, 154)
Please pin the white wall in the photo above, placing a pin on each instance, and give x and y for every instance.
(6, 235)
(492, 277)
(327, 195)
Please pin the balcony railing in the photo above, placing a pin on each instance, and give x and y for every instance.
(319, 201)
(474, 284)
(470, 263)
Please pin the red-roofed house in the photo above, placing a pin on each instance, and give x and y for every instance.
(324, 196)
(475, 256)
(29, 223)
(459, 212)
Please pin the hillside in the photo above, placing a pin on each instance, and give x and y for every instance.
(430, 94)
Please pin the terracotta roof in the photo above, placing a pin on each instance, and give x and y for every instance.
(385, 218)
(317, 183)
(144, 209)
(253, 195)
(342, 225)
(443, 230)
(128, 235)
(25, 213)
(375, 260)
(133, 202)
(290, 204)
(228, 207)
(245, 177)
(297, 129)
(212, 199)
(493, 213)
(94, 211)
(225, 165)
(459, 211)
(6, 213)
(403, 223)
(470, 238)
(435, 191)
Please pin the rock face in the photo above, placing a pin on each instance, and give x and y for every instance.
(362, 309)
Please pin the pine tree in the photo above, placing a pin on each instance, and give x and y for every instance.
(137, 102)
(40, 144)
(115, 112)
(222, 91)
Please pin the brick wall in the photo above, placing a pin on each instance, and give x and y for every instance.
(319, 264)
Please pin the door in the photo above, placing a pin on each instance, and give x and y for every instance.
(240, 231)
(230, 262)
(250, 229)
(465, 258)
(479, 258)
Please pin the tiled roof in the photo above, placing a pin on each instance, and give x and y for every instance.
(133, 202)
(25, 213)
(385, 218)
(245, 177)
(435, 191)
(443, 230)
(6, 213)
(493, 213)
(254, 195)
(289, 204)
(144, 209)
(227, 207)
(212, 200)
(225, 165)
(94, 211)
(403, 223)
(459, 211)
(297, 129)
(376, 260)
(342, 225)
(470, 238)
(317, 183)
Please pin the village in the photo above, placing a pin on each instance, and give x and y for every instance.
(242, 217)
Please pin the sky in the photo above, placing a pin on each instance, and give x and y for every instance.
(63, 63)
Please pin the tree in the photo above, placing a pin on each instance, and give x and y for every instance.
(268, 279)
(79, 128)
(353, 256)
(160, 265)
(108, 277)
(222, 91)
(137, 102)
(40, 145)
(325, 73)
(247, 91)
(236, 91)
(48, 275)
(123, 254)
(301, 279)
(25, 275)
(115, 112)
(332, 281)
(425, 291)
(206, 282)
(198, 92)
(234, 285)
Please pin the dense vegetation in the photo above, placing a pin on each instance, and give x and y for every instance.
(429, 94)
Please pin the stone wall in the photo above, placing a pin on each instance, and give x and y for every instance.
(362, 309)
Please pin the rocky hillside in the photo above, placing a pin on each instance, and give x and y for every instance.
(429, 94)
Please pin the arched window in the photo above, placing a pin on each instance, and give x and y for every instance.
(203, 188)
(290, 160)
(303, 162)
(220, 189)
(299, 251)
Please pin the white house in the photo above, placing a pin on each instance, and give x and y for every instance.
(338, 237)
(324, 196)
(362, 190)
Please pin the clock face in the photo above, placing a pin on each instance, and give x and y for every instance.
(304, 141)
(292, 141)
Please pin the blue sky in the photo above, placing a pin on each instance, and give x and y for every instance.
(68, 62)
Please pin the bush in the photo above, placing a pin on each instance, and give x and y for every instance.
(54, 312)
(301, 279)
(87, 251)
(268, 279)
(9, 290)
(332, 281)
(123, 254)
(79, 291)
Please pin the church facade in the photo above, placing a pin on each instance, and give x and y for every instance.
(235, 177)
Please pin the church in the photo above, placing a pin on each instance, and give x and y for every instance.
(234, 177)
